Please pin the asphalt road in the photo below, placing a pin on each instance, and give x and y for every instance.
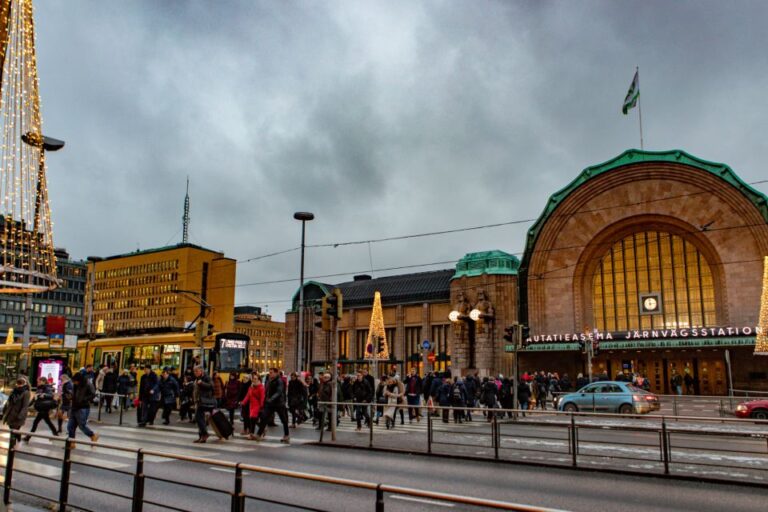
(557, 488)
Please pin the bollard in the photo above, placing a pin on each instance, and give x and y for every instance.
(138, 483)
(496, 437)
(238, 498)
(379, 499)
(66, 468)
(674, 405)
(98, 417)
(121, 405)
(9, 468)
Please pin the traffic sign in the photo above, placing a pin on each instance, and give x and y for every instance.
(431, 357)
(426, 345)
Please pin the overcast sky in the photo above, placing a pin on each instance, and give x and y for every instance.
(383, 118)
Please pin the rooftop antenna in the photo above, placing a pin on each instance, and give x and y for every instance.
(185, 218)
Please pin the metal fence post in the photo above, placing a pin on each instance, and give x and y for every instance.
(665, 446)
(379, 499)
(9, 468)
(574, 441)
(66, 467)
(238, 500)
(674, 405)
(495, 435)
(98, 416)
(429, 431)
(370, 424)
(121, 402)
(138, 483)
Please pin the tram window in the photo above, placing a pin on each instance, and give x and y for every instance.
(232, 355)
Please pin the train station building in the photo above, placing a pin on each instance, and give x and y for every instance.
(655, 258)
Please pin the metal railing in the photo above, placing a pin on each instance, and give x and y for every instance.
(664, 444)
(237, 494)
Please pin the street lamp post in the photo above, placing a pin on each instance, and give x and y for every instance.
(44, 144)
(303, 217)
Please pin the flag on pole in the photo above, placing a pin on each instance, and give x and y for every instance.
(634, 92)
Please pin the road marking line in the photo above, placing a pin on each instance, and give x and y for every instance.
(420, 500)
(227, 470)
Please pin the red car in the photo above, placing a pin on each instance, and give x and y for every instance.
(755, 409)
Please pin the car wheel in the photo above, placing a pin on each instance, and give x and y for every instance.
(569, 407)
(626, 409)
(760, 414)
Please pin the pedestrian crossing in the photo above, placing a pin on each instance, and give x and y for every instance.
(347, 425)
(171, 439)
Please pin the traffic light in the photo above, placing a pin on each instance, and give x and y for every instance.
(526, 333)
(582, 345)
(596, 348)
(202, 329)
(324, 322)
(335, 304)
(209, 330)
(509, 334)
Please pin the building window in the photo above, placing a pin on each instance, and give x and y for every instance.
(441, 347)
(360, 342)
(412, 354)
(653, 262)
(343, 344)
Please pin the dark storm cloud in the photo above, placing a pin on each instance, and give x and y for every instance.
(383, 118)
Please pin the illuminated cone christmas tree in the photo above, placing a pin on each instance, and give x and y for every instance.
(761, 341)
(27, 263)
(377, 336)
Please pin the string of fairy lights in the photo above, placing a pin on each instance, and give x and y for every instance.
(26, 233)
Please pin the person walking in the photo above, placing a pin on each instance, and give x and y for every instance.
(444, 395)
(44, 403)
(124, 389)
(109, 388)
(66, 393)
(458, 400)
(204, 402)
(17, 406)
(362, 395)
(252, 405)
(297, 399)
(392, 395)
(149, 396)
(324, 395)
(274, 404)
(169, 392)
(83, 393)
(523, 395)
(232, 396)
(470, 385)
(413, 392)
(489, 392)
(186, 398)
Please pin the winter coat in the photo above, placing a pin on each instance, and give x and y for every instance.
(489, 391)
(17, 407)
(109, 384)
(44, 400)
(458, 395)
(523, 392)
(218, 387)
(437, 384)
(426, 386)
(202, 391)
(187, 392)
(346, 390)
(169, 390)
(444, 395)
(231, 394)
(67, 393)
(275, 393)
(470, 384)
(82, 396)
(362, 392)
(149, 388)
(297, 394)
(581, 382)
(413, 385)
(254, 400)
(325, 394)
(100, 378)
(123, 384)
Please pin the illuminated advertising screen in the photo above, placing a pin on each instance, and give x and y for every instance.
(51, 369)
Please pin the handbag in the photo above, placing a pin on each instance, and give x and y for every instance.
(208, 402)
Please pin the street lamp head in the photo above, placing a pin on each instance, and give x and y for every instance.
(34, 139)
(453, 316)
(475, 315)
(303, 216)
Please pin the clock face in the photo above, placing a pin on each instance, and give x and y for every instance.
(650, 304)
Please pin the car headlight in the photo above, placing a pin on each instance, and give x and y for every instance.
(741, 407)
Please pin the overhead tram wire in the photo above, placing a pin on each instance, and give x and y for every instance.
(479, 227)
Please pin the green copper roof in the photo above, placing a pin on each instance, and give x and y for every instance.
(488, 262)
(636, 156)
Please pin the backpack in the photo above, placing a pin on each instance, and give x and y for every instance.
(456, 394)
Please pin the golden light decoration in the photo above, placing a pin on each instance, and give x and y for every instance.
(28, 263)
(377, 335)
(761, 340)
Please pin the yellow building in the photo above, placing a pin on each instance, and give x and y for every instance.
(267, 337)
(159, 290)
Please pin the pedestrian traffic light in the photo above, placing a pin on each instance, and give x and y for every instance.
(335, 304)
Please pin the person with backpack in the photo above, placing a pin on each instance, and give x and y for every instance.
(444, 397)
(458, 400)
(169, 391)
(470, 385)
(44, 403)
(489, 393)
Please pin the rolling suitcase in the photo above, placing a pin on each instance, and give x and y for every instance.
(220, 425)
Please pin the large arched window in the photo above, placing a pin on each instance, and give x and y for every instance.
(653, 262)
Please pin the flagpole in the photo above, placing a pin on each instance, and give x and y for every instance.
(639, 106)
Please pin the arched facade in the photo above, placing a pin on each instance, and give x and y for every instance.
(687, 231)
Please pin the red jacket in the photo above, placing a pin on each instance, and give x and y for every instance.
(254, 400)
